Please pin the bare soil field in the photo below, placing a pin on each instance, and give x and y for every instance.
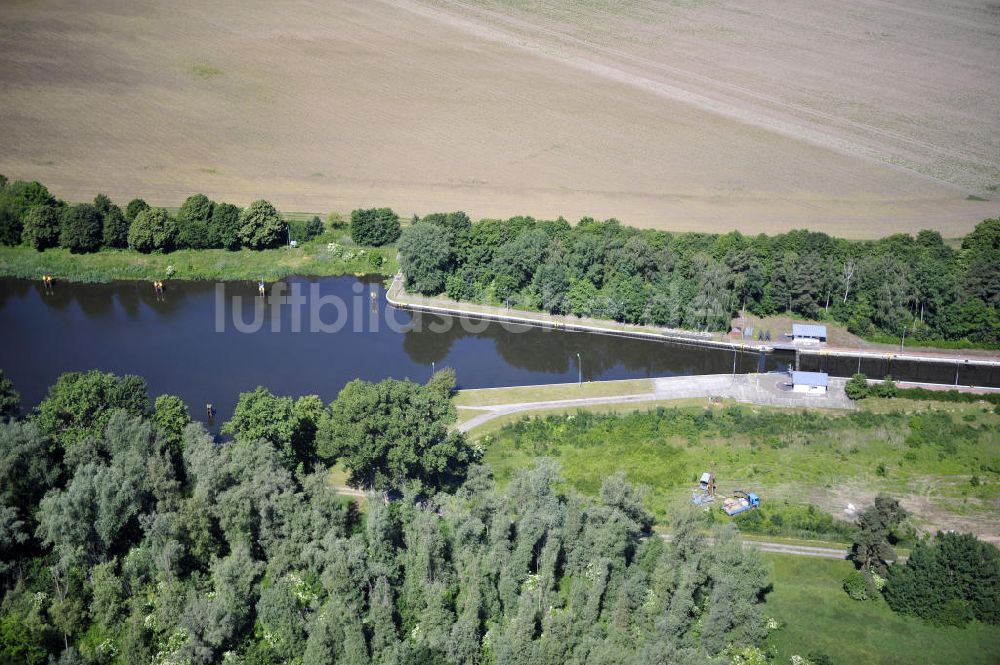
(860, 118)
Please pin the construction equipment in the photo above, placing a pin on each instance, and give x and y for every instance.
(740, 502)
(705, 492)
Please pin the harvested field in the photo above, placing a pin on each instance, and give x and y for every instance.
(860, 119)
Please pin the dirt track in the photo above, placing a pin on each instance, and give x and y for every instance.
(860, 120)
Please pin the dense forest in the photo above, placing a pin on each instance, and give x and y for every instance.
(128, 534)
(700, 281)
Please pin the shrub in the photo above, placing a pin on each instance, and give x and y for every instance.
(886, 388)
(858, 586)
(374, 226)
(955, 612)
(260, 226)
(81, 228)
(946, 395)
(314, 228)
(857, 387)
(41, 227)
(820, 658)
(153, 231)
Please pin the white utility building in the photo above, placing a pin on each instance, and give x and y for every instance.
(808, 332)
(812, 383)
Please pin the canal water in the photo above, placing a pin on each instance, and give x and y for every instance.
(199, 341)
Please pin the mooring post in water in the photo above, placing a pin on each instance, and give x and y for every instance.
(210, 412)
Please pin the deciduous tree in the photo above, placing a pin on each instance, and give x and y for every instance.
(153, 230)
(260, 226)
(81, 228)
(374, 226)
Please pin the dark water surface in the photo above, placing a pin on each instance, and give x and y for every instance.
(174, 343)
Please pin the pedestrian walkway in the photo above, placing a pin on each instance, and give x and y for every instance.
(763, 389)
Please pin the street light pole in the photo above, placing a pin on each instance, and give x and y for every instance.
(579, 369)
(433, 371)
(902, 340)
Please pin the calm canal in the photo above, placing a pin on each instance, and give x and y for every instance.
(188, 344)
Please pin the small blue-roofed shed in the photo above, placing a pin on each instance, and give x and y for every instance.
(813, 383)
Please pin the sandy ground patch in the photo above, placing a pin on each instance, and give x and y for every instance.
(684, 116)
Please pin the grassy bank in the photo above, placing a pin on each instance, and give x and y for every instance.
(945, 460)
(313, 258)
(816, 615)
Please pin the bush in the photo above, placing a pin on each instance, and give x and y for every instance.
(820, 658)
(947, 396)
(260, 226)
(81, 229)
(375, 226)
(859, 586)
(153, 231)
(41, 227)
(314, 228)
(955, 612)
(886, 388)
(857, 387)
(780, 518)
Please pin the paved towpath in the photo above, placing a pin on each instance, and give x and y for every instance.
(763, 389)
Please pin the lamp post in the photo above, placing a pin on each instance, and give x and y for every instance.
(579, 370)
(433, 371)
(902, 340)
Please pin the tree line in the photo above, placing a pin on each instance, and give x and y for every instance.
(30, 215)
(700, 280)
(128, 534)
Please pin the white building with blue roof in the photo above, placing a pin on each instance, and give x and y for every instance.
(808, 332)
(811, 383)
